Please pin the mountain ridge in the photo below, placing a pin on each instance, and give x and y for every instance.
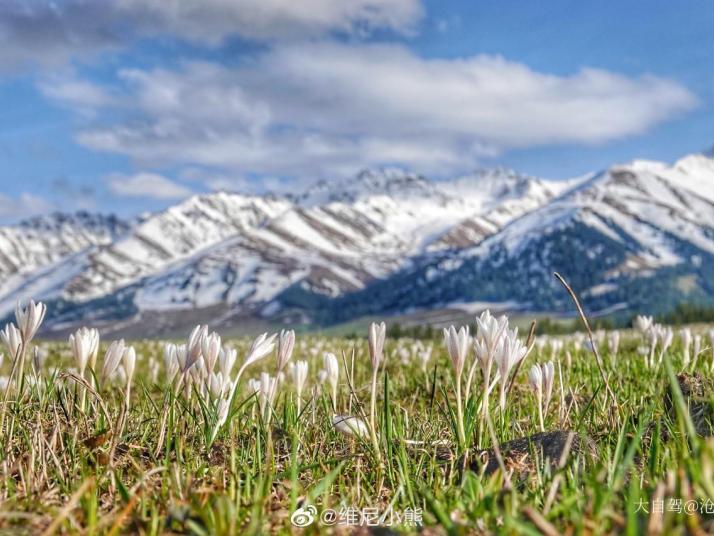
(384, 242)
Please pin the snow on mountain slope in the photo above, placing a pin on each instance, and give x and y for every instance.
(328, 243)
(628, 223)
(390, 239)
(171, 236)
(39, 255)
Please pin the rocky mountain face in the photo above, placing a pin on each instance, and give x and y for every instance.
(634, 237)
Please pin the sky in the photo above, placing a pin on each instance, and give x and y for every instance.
(127, 106)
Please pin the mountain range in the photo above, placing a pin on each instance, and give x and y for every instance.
(637, 237)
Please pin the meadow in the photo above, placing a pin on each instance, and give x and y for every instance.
(484, 430)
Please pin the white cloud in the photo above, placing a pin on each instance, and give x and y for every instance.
(145, 184)
(209, 21)
(323, 108)
(23, 206)
(48, 33)
(80, 95)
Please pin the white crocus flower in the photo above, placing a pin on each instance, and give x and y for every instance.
(488, 334)
(210, 349)
(286, 343)
(171, 361)
(332, 372)
(84, 344)
(377, 335)
(216, 385)
(221, 414)
(29, 319)
(298, 373)
(424, 357)
(261, 347)
(666, 337)
(541, 379)
(227, 360)
(129, 364)
(643, 323)
(12, 337)
(510, 352)
(535, 379)
(194, 346)
(457, 345)
(696, 348)
(112, 358)
(266, 395)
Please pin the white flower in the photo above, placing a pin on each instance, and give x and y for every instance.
(194, 347)
(457, 345)
(262, 346)
(227, 360)
(490, 329)
(425, 357)
(298, 374)
(29, 319)
(254, 385)
(643, 323)
(84, 343)
(129, 363)
(377, 335)
(39, 356)
(171, 361)
(332, 371)
(286, 343)
(541, 378)
(350, 426)
(112, 358)
(697, 345)
(216, 385)
(510, 352)
(222, 413)
(154, 370)
(266, 394)
(535, 378)
(211, 348)
(182, 357)
(12, 337)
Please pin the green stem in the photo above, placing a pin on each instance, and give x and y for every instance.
(372, 417)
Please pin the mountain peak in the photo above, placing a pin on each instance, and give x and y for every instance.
(389, 181)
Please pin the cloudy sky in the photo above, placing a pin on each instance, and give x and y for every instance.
(131, 105)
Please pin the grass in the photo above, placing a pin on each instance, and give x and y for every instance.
(94, 470)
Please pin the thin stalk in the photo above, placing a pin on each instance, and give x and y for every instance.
(460, 415)
(539, 396)
(372, 416)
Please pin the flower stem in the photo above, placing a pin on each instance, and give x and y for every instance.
(372, 417)
(460, 415)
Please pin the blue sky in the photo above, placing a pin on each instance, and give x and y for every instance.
(130, 105)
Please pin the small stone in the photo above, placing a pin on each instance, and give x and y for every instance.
(549, 446)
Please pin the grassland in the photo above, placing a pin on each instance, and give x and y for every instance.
(80, 456)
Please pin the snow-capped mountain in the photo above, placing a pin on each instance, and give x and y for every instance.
(383, 241)
(634, 237)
